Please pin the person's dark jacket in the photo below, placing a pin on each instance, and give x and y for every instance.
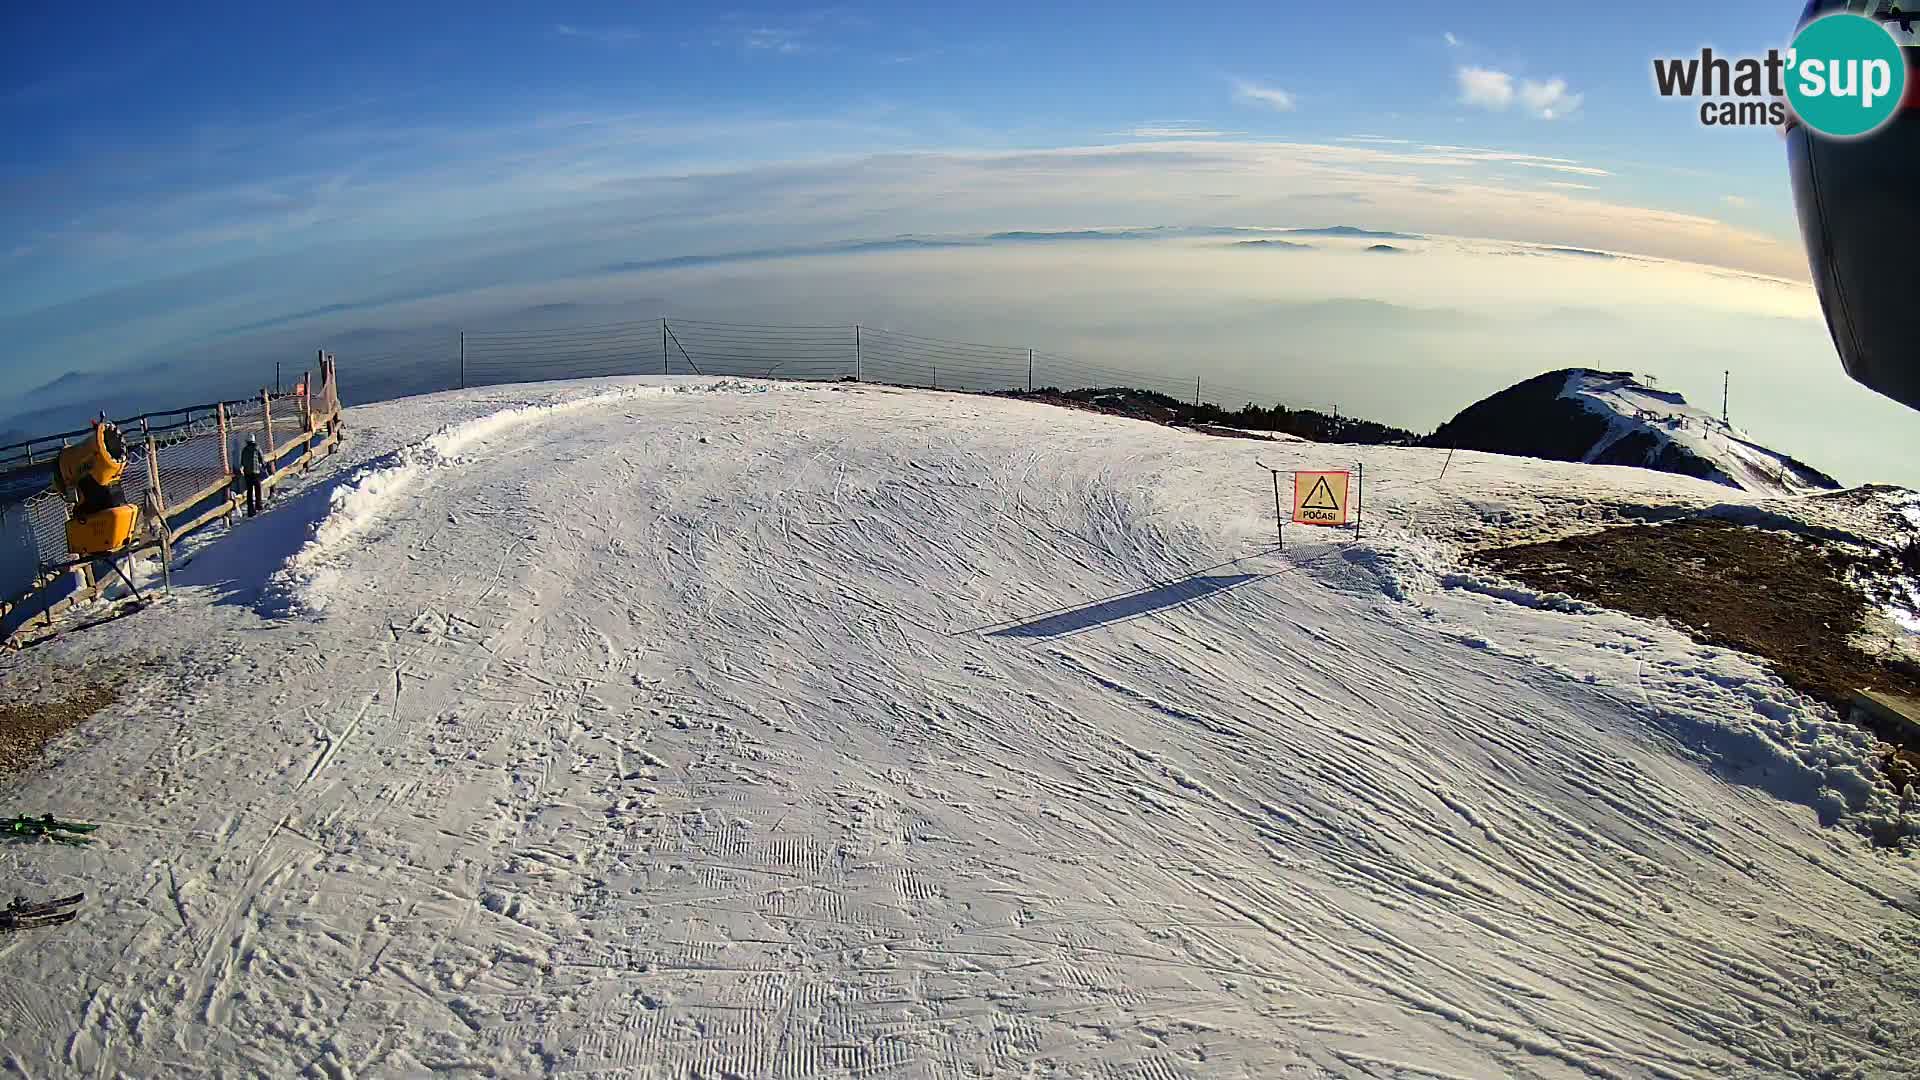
(250, 460)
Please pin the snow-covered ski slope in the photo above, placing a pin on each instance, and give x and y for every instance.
(1633, 407)
(722, 728)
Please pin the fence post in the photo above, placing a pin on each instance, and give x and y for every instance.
(1029, 371)
(1279, 519)
(463, 359)
(158, 496)
(663, 345)
(266, 420)
(165, 535)
(856, 352)
(226, 439)
(936, 375)
(1359, 494)
(1196, 391)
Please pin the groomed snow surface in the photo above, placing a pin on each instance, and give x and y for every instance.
(717, 728)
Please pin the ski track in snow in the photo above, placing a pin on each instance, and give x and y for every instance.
(644, 734)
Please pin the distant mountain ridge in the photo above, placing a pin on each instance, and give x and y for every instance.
(1617, 418)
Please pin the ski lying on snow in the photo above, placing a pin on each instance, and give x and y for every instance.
(21, 915)
(47, 827)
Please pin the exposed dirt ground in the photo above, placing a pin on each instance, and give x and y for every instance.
(29, 721)
(1793, 601)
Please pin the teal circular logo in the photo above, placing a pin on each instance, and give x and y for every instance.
(1845, 75)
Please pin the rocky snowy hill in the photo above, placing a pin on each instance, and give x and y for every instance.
(1616, 418)
(710, 727)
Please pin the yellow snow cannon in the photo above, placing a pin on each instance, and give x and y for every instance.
(103, 531)
(101, 521)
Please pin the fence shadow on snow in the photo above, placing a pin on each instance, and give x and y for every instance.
(1127, 606)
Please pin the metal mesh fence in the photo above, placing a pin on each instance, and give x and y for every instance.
(637, 348)
(323, 396)
(289, 420)
(815, 353)
(47, 521)
(244, 419)
(191, 464)
(818, 353)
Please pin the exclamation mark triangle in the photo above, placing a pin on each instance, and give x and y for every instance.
(1320, 497)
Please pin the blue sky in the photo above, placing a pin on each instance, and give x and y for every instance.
(168, 181)
(214, 133)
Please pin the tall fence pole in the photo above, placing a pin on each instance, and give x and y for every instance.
(226, 438)
(1029, 371)
(1359, 494)
(856, 352)
(1196, 391)
(266, 420)
(663, 345)
(1279, 519)
(163, 533)
(463, 359)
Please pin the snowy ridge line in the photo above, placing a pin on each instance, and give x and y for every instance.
(1635, 407)
(366, 495)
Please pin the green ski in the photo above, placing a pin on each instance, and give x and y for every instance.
(47, 827)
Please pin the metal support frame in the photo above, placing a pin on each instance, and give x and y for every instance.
(1279, 518)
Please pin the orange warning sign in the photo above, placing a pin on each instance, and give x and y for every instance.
(1320, 498)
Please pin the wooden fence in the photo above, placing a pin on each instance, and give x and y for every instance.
(182, 475)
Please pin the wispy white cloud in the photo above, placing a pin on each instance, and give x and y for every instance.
(1569, 185)
(775, 39)
(1579, 170)
(1382, 139)
(1451, 40)
(605, 35)
(1735, 201)
(791, 33)
(1272, 97)
(1497, 91)
(1177, 130)
(1509, 157)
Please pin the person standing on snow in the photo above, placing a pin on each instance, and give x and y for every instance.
(250, 471)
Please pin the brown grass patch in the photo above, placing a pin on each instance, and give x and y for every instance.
(27, 728)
